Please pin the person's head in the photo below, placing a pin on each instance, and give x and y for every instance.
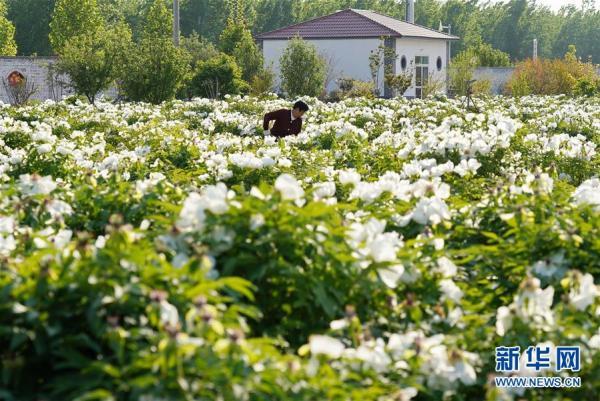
(299, 109)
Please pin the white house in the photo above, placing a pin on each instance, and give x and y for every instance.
(346, 39)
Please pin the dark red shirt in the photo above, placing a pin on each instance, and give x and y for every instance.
(284, 125)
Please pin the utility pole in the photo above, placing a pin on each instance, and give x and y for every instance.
(176, 22)
(448, 51)
(535, 56)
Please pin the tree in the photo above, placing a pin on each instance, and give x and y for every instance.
(155, 69)
(72, 18)
(32, 25)
(92, 60)
(158, 21)
(199, 48)
(303, 71)
(461, 71)
(8, 46)
(217, 77)
(236, 40)
(486, 56)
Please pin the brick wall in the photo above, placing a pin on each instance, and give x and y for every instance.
(38, 70)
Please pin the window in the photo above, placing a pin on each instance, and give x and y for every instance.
(15, 78)
(438, 63)
(403, 63)
(421, 74)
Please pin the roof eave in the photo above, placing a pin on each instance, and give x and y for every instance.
(329, 37)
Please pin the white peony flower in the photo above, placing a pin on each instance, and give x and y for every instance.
(446, 268)
(348, 177)
(584, 292)
(430, 211)
(58, 209)
(467, 167)
(503, 320)
(62, 238)
(391, 275)
(326, 345)
(7, 225)
(588, 193)
(324, 190)
(533, 303)
(168, 314)
(214, 198)
(450, 290)
(7, 245)
(289, 187)
(35, 185)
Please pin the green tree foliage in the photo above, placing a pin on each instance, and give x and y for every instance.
(236, 40)
(155, 69)
(71, 18)
(509, 26)
(216, 77)
(32, 24)
(199, 48)
(158, 22)
(8, 47)
(461, 71)
(486, 55)
(303, 71)
(92, 60)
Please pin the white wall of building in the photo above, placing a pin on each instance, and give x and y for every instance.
(350, 57)
(432, 48)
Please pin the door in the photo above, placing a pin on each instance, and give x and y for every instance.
(421, 74)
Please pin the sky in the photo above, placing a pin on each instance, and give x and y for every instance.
(556, 4)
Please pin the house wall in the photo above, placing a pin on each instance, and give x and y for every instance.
(347, 57)
(433, 48)
(350, 57)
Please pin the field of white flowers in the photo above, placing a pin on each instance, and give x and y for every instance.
(175, 253)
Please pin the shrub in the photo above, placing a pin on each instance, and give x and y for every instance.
(303, 71)
(217, 77)
(263, 82)
(19, 93)
(586, 86)
(350, 88)
(482, 87)
(399, 83)
(549, 77)
(155, 69)
(433, 86)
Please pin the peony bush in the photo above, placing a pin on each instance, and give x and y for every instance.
(172, 252)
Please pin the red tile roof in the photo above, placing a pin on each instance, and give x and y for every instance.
(352, 23)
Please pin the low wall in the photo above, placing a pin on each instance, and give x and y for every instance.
(498, 76)
(39, 71)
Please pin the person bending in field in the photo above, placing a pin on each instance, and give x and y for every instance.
(287, 122)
